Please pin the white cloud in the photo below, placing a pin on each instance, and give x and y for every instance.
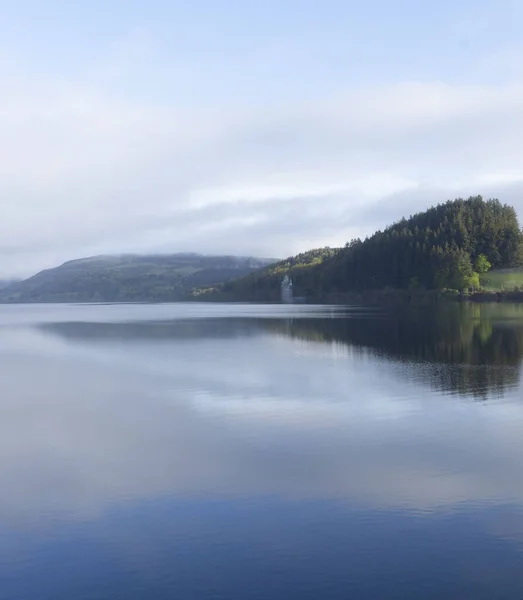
(82, 171)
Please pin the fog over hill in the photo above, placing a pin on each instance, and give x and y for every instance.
(129, 277)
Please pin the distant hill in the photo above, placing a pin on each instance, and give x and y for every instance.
(129, 278)
(446, 247)
(5, 282)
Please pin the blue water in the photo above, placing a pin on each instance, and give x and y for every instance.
(236, 451)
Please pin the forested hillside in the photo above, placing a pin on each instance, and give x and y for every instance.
(264, 284)
(448, 246)
(159, 278)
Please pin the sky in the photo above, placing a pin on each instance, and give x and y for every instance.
(247, 127)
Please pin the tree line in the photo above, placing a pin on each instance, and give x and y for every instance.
(448, 246)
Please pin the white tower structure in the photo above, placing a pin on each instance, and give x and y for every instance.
(286, 290)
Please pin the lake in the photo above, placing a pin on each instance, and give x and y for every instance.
(249, 452)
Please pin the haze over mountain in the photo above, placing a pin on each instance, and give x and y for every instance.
(263, 129)
(130, 277)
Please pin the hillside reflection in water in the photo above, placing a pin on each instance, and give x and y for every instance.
(260, 452)
(458, 348)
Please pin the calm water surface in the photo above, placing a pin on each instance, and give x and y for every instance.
(260, 452)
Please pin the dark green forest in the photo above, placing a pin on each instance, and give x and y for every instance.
(449, 246)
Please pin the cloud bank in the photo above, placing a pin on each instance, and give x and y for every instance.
(84, 170)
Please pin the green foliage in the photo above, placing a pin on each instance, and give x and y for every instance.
(471, 282)
(482, 264)
(447, 246)
(264, 284)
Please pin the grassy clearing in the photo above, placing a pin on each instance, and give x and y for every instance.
(502, 279)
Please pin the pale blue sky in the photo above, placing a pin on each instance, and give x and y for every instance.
(247, 127)
(273, 48)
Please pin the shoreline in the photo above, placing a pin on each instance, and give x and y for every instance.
(387, 297)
